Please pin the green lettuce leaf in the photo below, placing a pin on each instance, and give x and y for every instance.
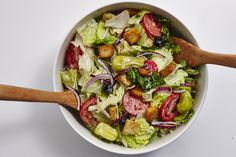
(146, 83)
(144, 41)
(158, 99)
(119, 21)
(103, 35)
(176, 78)
(70, 78)
(136, 19)
(88, 32)
(142, 137)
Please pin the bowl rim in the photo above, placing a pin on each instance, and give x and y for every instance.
(143, 151)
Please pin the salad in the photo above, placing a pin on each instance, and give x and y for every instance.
(121, 67)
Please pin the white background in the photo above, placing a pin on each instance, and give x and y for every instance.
(31, 33)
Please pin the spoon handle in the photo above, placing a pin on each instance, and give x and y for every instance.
(13, 93)
(228, 60)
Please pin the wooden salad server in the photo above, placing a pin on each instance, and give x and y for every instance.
(13, 93)
(196, 56)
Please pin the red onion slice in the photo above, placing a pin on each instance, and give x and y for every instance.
(121, 117)
(77, 97)
(118, 40)
(164, 89)
(98, 77)
(168, 125)
(150, 53)
(106, 67)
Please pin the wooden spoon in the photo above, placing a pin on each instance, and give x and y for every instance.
(196, 56)
(13, 93)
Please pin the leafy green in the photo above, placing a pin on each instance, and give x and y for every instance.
(175, 49)
(119, 21)
(123, 48)
(107, 40)
(163, 20)
(142, 136)
(176, 78)
(146, 83)
(192, 71)
(136, 19)
(158, 99)
(103, 35)
(183, 63)
(144, 41)
(162, 62)
(88, 32)
(70, 78)
(184, 118)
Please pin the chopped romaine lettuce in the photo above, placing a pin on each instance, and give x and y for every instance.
(70, 78)
(123, 48)
(142, 136)
(158, 99)
(162, 62)
(86, 63)
(112, 99)
(88, 32)
(103, 35)
(147, 96)
(94, 88)
(184, 118)
(192, 71)
(176, 78)
(101, 30)
(136, 19)
(146, 83)
(144, 41)
(119, 21)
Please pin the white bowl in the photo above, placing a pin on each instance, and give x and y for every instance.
(160, 142)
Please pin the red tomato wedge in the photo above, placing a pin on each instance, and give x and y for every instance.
(133, 105)
(151, 26)
(86, 115)
(166, 112)
(150, 65)
(72, 56)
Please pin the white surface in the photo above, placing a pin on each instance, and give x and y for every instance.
(31, 33)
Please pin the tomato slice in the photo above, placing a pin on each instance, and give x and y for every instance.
(72, 56)
(151, 26)
(133, 105)
(86, 115)
(166, 112)
(150, 65)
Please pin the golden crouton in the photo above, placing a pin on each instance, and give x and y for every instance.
(130, 127)
(144, 72)
(168, 69)
(132, 11)
(123, 79)
(137, 92)
(151, 113)
(112, 112)
(105, 51)
(132, 35)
